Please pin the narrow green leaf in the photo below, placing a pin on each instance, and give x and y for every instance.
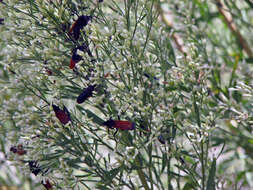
(174, 132)
(188, 186)
(249, 60)
(250, 3)
(91, 115)
(164, 162)
(73, 162)
(196, 109)
(71, 89)
(211, 178)
(102, 187)
(112, 174)
(233, 75)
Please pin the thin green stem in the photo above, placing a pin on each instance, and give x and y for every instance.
(141, 174)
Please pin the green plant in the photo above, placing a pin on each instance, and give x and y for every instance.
(179, 70)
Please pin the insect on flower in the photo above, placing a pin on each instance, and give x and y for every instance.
(1, 21)
(62, 115)
(148, 76)
(18, 150)
(85, 48)
(75, 57)
(47, 184)
(34, 167)
(119, 124)
(144, 128)
(78, 25)
(48, 71)
(161, 139)
(87, 92)
(74, 60)
(152, 78)
(13, 149)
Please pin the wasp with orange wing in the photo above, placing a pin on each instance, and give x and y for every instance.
(18, 150)
(47, 184)
(62, 115)
(76, 57)
(78, 25)
(119, 124)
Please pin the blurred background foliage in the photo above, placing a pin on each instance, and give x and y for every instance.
(196, 122)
